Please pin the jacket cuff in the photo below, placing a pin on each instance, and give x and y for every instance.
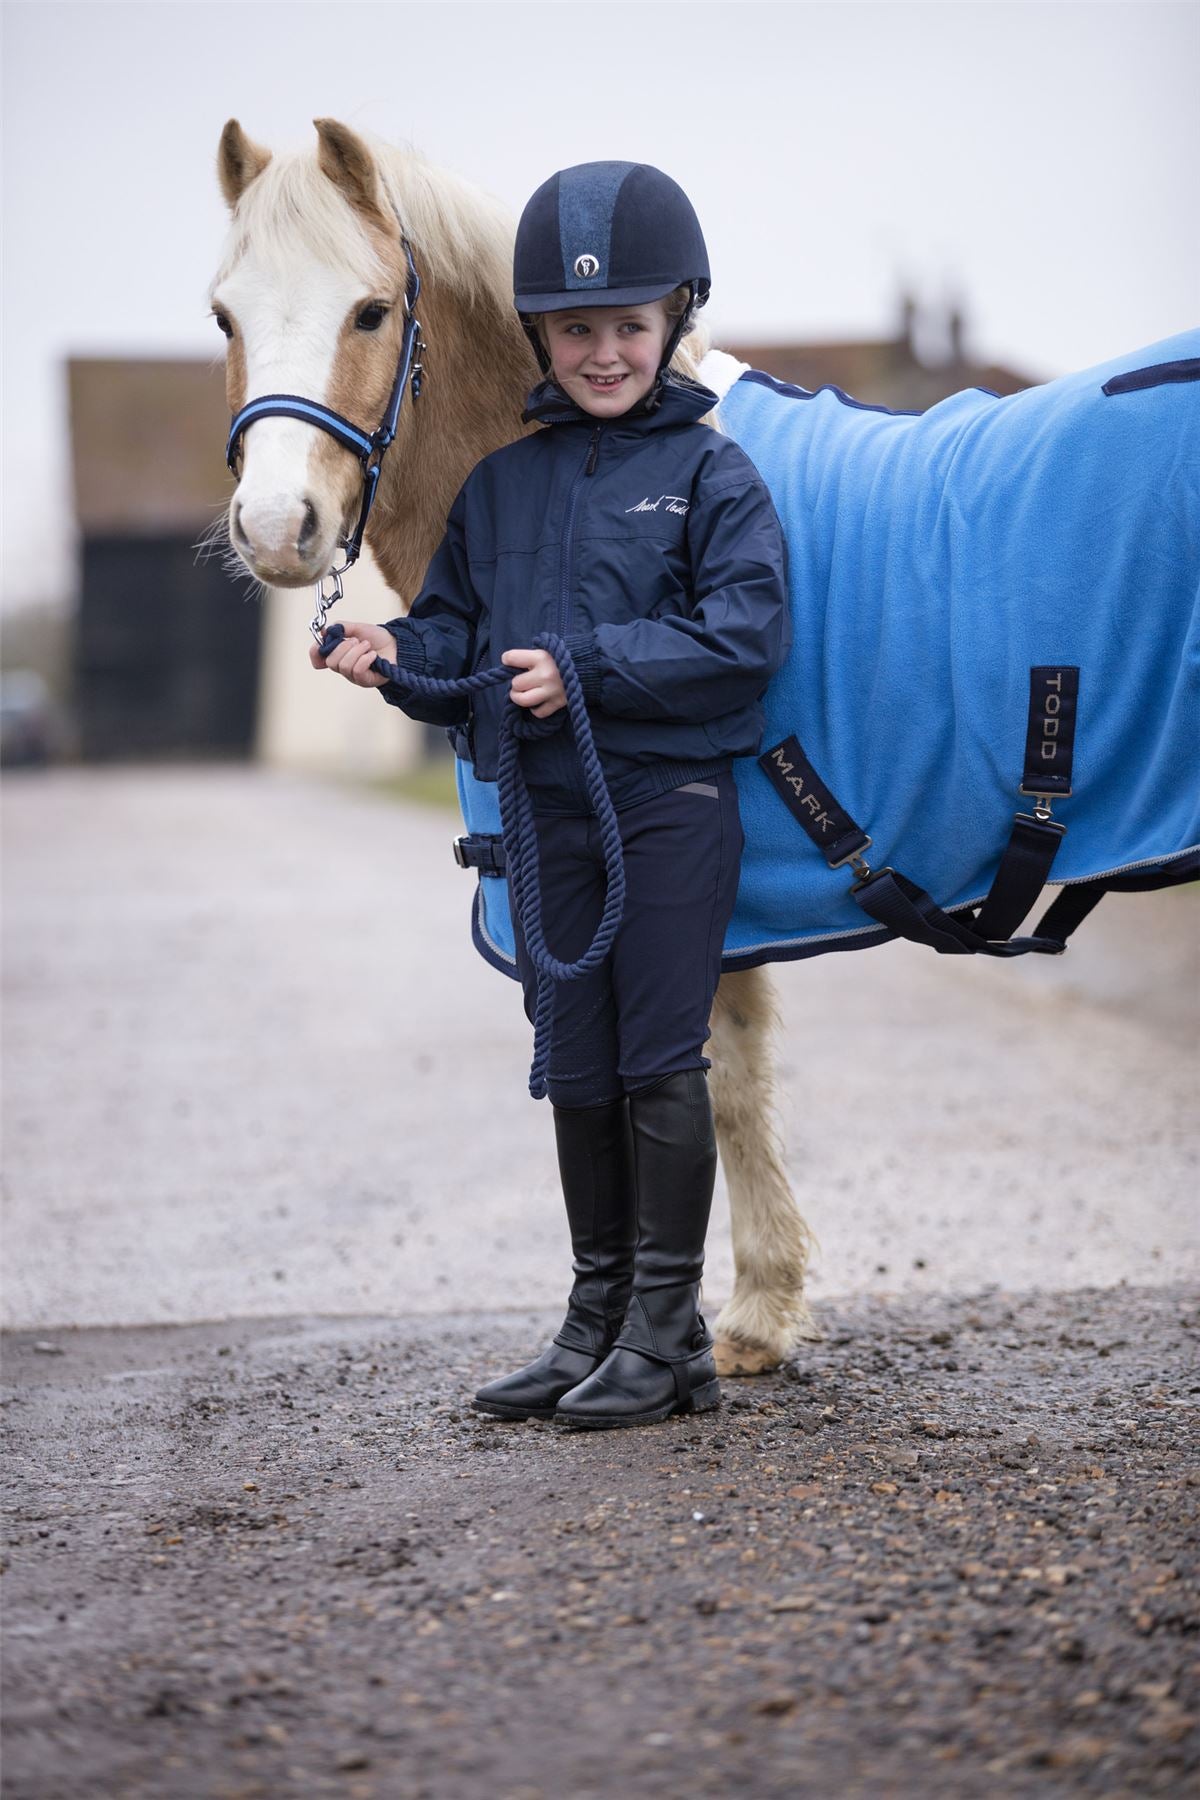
(586, 658)
(410, 655)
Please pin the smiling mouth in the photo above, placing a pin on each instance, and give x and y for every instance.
(604, 383)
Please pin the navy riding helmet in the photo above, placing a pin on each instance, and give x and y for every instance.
(608, 234)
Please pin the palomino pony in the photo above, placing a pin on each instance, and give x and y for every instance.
(965, 583)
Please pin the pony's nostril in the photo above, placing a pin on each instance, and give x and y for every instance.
(308, 529)
(235, 522)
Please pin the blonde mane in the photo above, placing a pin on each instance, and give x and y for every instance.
(464, 235)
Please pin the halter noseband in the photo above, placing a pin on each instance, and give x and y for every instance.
(368, 447)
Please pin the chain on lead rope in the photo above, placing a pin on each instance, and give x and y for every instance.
(325, 601)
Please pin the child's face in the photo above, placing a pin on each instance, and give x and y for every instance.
(606, 357)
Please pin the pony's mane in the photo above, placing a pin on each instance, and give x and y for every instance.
(465, 236)
(461, 236)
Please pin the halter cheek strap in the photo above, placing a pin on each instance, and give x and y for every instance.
(369, 447)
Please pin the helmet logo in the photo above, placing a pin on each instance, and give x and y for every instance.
(586, 267)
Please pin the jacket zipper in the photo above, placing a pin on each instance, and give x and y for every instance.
(589, 468)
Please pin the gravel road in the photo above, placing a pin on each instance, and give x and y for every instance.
(254, 1067)
(952, 1551)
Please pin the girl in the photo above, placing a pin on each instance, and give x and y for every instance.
(652, 547)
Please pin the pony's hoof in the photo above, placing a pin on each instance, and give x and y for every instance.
(733, 1358)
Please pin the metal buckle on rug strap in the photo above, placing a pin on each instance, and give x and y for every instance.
(862, 869)
(1043, 808)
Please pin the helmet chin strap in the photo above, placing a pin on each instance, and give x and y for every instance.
(682, 326)
(529, 324)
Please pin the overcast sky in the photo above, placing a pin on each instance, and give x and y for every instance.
(1039, 159)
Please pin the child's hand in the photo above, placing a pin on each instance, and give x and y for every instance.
(540, 686)
(356, 652)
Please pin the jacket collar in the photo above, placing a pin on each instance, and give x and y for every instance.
(669, 404)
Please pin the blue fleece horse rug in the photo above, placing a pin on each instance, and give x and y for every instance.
(936, 559)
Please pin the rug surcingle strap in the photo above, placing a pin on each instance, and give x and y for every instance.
(906, 910)
(811, 803)
(1047, 774)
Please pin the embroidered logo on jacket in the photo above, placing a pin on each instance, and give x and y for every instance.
(675, 503)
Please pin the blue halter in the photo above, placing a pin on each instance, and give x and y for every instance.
(368, 447)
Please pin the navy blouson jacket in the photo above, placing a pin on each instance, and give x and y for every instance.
(650, 544)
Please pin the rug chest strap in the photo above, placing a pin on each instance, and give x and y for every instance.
(482, 850)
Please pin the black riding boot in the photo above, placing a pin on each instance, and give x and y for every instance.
(662, 1360)
(595, 1161)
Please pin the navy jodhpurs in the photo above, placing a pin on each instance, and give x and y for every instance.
(643, 1014)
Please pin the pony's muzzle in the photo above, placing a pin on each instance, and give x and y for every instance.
(282, 538)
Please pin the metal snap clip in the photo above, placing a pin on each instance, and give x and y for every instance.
(325, 601)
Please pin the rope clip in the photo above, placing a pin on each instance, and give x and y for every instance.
(325, 601)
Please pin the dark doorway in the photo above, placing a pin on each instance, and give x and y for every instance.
(167, 655)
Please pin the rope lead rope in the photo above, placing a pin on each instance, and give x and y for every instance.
(517, 822)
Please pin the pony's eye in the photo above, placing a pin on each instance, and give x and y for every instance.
(371, 317)
(223, 323)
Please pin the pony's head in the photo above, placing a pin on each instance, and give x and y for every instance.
(310, 295)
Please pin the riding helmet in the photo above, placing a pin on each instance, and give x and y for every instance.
(608, 234)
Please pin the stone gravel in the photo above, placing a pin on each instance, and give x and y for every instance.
(951, 1550)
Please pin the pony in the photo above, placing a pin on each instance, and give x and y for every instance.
(894, 522)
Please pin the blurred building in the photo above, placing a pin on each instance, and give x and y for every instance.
(166, 649)
(176, 651)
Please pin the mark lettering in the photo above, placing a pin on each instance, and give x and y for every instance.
(807, 799)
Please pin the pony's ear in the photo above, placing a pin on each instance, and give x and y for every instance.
(349, 164)
(239, 162)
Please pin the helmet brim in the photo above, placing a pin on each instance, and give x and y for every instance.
(572, 299)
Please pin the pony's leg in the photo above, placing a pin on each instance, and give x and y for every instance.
(771, 1242)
